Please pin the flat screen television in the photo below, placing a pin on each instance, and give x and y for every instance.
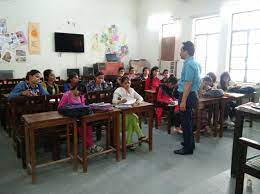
(65, 42)
(70, 71)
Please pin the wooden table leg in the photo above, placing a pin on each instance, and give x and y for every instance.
(123, 135)
(117, 134)
(237, 134)
(215, 118)
(221, 117)
(151, 129)
(32, 153)
(68, 139)
(27, 147)
(250, 116)
(108, 133)
(75, 136)
(198, 124)
(169, 122)
(84, 144)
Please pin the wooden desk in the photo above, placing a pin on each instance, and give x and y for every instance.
(143, 107)
(109, 116)
(238, 132)
(201, 104)
(37, 121)
(228, 97)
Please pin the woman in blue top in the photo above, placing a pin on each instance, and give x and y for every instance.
(72, 82)
(30, 87)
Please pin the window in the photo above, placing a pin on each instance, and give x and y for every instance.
(245, 46)
(206, 39)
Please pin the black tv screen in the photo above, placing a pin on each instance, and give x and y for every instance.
(65, 42)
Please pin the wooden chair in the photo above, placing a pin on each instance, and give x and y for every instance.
(53, 101)
(19, 106)
(97, 97)
(138, 86)
(249, 166)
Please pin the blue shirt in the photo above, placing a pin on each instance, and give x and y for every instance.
(190, 73)
(22, 86)
(66, 87)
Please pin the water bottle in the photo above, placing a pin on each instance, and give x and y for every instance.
(249, 185)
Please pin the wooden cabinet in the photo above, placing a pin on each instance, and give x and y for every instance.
(108, 68)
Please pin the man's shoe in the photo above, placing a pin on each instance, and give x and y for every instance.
(182, 143)
(183, 152)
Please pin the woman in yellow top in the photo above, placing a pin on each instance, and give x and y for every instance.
(48, 83)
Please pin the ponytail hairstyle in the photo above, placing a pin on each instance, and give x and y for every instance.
(123, 79)
(46, 74)
(151, 74)
(222, 83)
(71, 76)
(169, 91)
(31, 73)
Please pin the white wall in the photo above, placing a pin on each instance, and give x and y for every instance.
(90, 16)
(186, 10)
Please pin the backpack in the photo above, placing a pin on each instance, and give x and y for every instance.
(214, 93)
(243, 90)
(75, 110)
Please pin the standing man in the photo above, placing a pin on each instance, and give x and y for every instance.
(188, 88)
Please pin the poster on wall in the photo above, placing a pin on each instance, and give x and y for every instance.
(13, 41)
(20, 56)
(34, 38)
(3, 26)
(21, 37)
(7, 55)
(114, 41)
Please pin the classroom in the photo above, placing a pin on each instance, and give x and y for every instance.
(129, 97)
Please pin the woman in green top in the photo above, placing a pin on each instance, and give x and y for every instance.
(49, 82)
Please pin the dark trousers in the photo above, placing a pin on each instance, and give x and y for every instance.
(174, 117)
(187, 121)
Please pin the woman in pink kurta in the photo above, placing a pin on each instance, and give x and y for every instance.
(74, 96)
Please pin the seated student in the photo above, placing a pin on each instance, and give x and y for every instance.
(145, 74)
(99, 84)
(153, 82)
(213, 76)
(120, 73)
(205, 86)
(72, 82)
(225, 84)
(167, 94)
(122, 95)
(75, 95)
(49, 82)
(30, 87)
(166, 75)
(131, 73)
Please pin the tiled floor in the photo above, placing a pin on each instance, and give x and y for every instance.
(158, 172)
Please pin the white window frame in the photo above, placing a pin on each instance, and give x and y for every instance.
(204, 34)
(247, 44)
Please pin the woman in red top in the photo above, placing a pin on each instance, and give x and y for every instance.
(168, 94)
(153, 82)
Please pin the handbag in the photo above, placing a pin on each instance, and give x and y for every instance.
(75, 110)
